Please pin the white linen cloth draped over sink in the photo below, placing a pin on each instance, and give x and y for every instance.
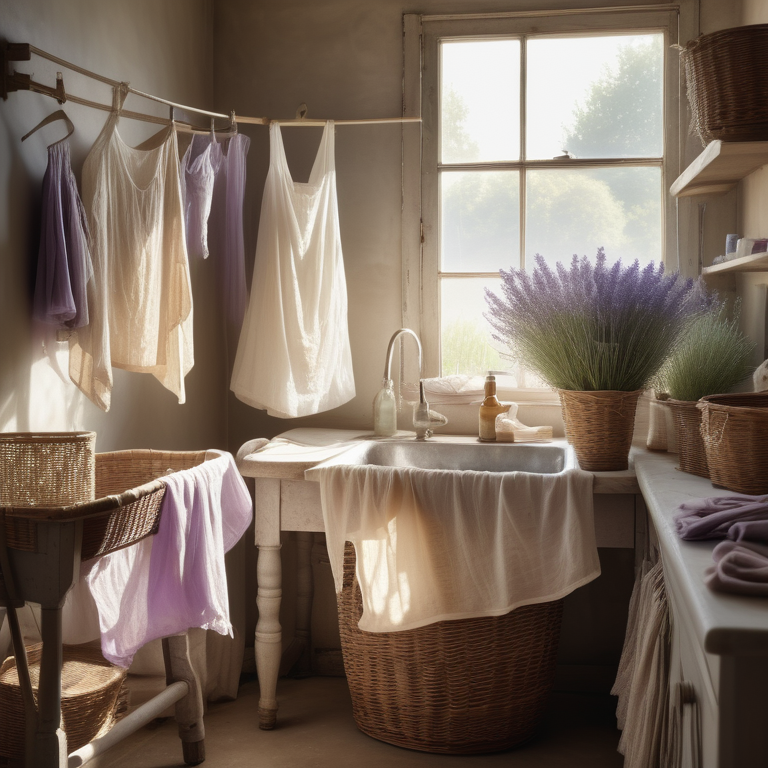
(443, 544)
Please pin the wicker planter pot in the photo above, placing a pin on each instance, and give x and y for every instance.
(454, 687)
(690, 445)
(735, 432)
(599, 425)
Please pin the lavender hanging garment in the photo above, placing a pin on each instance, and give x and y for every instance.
(64, 259)
(197, 175)
(225, 225)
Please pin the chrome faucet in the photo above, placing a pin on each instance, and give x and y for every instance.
(423, 418)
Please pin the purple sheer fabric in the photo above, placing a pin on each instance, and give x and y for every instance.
(64, 259)
(213, 182)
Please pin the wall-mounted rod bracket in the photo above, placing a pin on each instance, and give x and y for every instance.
(19, 81)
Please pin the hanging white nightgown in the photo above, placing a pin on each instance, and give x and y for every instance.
(139, 298)
(293, 358)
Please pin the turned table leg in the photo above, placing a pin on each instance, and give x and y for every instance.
(268, 632)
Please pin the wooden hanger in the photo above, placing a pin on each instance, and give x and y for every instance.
(59, 114)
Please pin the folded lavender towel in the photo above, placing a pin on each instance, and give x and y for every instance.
(740, 568)
(713, 517)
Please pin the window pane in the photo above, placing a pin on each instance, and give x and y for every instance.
(479, 220)
(480, 101)
(595, 96)
(576, 211)
(466, 345)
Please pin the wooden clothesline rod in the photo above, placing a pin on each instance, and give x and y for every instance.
(299, 121)
(115, 83)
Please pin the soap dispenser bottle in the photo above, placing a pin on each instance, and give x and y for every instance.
(385, 410)
(489, 410)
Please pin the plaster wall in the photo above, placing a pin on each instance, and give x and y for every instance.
(164, 48)
(753, 222)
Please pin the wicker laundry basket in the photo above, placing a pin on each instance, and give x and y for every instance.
(455, 687)
(735, 432)
(93, 697)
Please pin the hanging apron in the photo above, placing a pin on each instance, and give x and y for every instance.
(294, 358)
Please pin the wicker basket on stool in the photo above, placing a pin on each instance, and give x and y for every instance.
(455, 687)
(92, 698)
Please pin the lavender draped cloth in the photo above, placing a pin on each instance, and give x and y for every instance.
(741, 561)
(176, 579)
(64, 259)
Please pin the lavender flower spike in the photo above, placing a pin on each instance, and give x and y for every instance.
(593, 326)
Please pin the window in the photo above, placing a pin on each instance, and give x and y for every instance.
(542, 134)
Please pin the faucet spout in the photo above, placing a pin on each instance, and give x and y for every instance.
(391, 347)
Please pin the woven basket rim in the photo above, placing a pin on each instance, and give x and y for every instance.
(733, 401)
(746, 30)
(45, 437)
(598, 392)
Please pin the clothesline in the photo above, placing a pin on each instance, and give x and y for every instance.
(21, 81)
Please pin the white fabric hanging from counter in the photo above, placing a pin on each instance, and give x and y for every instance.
(435, 544)
(294, 358)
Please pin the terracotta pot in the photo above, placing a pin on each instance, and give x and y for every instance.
(599, 425)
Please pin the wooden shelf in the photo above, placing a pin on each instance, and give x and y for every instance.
(720, 167)
(756, 262)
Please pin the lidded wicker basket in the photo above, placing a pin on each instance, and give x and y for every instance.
(467, 686)
(690, 444)
(91, 699)
(47, 469)
(735, 432)
(727, 84)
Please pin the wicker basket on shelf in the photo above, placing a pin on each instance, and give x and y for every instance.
(735, 432)
(690, 444)
(93, 697)
(454, 687)
(727, 84)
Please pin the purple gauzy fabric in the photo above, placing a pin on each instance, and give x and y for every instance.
(225, 226)
(197, 177)
(64, 259)
(712, 518)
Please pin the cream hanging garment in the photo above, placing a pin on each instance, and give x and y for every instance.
(293, 358)
(139, 298)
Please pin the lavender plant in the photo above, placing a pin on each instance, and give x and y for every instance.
(712, 356)
(593, 326)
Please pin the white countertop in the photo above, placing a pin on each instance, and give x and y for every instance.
(289, 454)
(724, 623)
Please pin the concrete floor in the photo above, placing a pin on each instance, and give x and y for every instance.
(316, 729)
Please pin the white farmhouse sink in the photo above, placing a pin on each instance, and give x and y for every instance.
(548, 459)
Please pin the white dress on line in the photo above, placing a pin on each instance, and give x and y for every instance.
(294, 357)
(140, 296)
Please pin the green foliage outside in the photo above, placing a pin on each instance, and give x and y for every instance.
(571, 211)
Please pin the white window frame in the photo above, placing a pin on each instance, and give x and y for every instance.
(420, 225)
